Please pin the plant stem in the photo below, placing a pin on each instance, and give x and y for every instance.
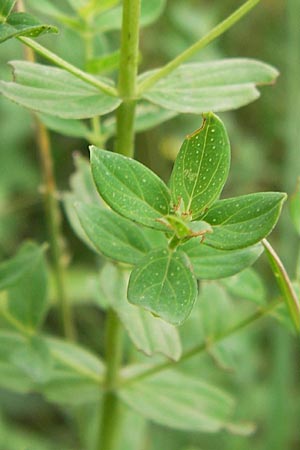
(53, 214)
(199, 45)
(108, 433)
(128, 77)
(60, 62)
(198, 349)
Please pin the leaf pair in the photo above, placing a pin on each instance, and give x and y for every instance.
(164, 279)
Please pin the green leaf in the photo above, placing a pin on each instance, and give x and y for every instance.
(211, 263)
(66, 127)
(164, 284)
(289, 295)
(247, 285)
(104, 63)
(215, 309)
(112, 19)
(201, 167)
(6, 7)
(43, 89)
(23, 24)
(243, 221)
(27, 298)
(28, 257)
(130, 188)
(112, 235)
(179, 401)
(148, 333)
(294, 207)
(214, 86)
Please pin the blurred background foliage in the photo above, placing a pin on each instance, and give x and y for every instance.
(263, 369)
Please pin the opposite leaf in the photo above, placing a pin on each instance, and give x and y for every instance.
(112, 235)
(164, 284)
(23, 24)
(56, 92)
(214, 86)
(243, 221)
(130, 188)
(201, 167)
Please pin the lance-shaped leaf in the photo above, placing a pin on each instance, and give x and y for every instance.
(211, 263)
(214, 86)
(23, 24)
(180, 401)
(130, 188)
(113, 235)
(164, 284)
(201, 167)
(56, 92)
(6, 7)
(243, 221)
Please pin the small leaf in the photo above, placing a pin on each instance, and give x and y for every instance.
(56, 92)
(28, 256)
(247, 285)
(180, 401)
(6, 7)
(213, 86)
(23, 24)
(112, 235)
(211, 263)
(164, 284)
(243, 221)
(104, 63)
(130, 188)
(148, 333)
(294, 207)
(201, 167)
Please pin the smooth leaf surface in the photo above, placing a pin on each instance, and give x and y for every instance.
(148, 333)
(104, 63)
(164, 284)
(130, 188)
(213, 86)
(201, 167)
(6, 7)
(247, 285)
(23, 24)
(28, 256)
(43, 89)
(113, 235)
(179, 401)
(27, 299)
(66, 127)
(215, 309)
(243, 221)
(112, 19)
(211, 263)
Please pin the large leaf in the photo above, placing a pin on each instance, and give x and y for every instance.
(164, 284)
(112, 20)
(28, 256)
(56, 92)
(214, 86)
(243, 221)
(27, 298)
(179, 401)
(148, 333)
(130, 188)
(211, 263)
(113, 235)
(6, 7)
(201, 167)
(23, 24)
(66, 127)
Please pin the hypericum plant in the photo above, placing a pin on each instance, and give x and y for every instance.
(156, 241)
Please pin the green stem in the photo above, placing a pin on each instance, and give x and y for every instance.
(110, 414)
(128, 77)
(60, 62)
(199, 45)
(198, 349)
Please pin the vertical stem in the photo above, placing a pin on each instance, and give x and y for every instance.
(110, 417)
(127, 77)
(108, 433)
(53, 214)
